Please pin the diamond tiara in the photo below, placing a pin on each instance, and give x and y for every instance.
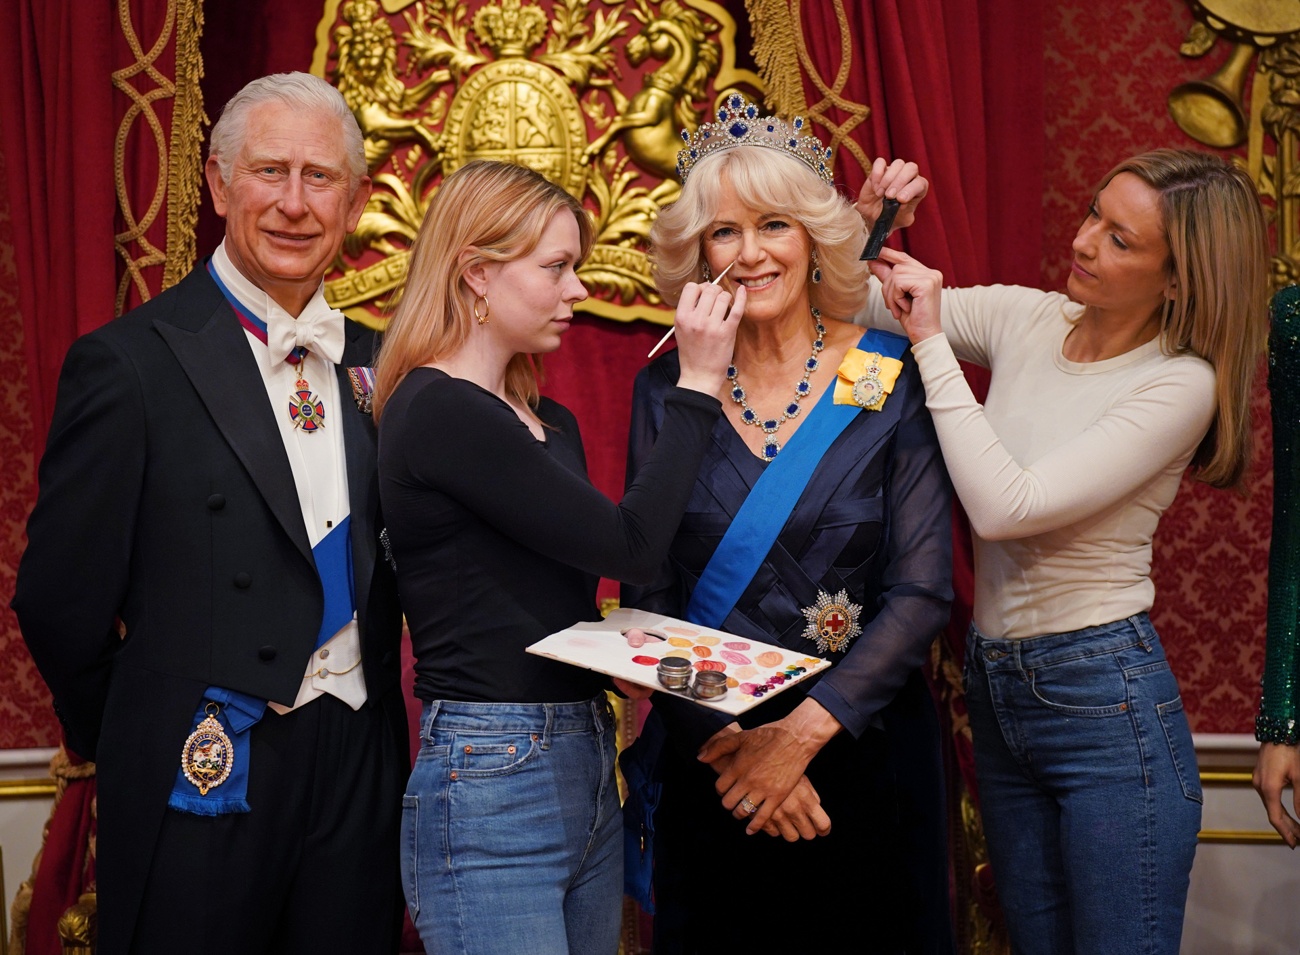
(739, 124)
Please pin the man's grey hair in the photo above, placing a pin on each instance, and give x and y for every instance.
(301, 90)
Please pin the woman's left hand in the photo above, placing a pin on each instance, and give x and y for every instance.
(767, 761)
(912, 293)
(896, 180)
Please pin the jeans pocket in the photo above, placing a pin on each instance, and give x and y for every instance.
(411, 852)
(1181, 749)
(493, 754)
(1085, 686)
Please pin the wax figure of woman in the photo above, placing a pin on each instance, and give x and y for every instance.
(512, 832)
(842, 774)
(1098, 402)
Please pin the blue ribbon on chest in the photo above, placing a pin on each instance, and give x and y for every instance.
(239, 712)
(768, 506)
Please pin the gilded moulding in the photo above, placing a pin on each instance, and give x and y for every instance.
(1220, 111)
(592, 93)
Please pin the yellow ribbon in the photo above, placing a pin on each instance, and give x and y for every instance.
(865, 379)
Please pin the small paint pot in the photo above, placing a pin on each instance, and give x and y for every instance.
(709, 685)
(675, 673)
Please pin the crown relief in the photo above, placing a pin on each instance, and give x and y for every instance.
(511, 29)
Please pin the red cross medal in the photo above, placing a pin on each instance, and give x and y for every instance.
(306, 411)
(207, 757)
(832, 621)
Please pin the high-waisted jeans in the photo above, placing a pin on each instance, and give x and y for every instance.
(1089, 788)
(511, 829)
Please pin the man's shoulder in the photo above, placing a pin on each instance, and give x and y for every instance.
(188, 304)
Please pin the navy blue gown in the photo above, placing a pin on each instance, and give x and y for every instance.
(874, 520)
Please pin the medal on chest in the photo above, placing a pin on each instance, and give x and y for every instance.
(832, 621)
(207, 756)
(306, 410)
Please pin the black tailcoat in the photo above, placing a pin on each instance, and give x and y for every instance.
(167, 504)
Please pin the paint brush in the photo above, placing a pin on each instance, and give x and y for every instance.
(880, 231)
(669, 334)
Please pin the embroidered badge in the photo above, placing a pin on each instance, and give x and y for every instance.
(832, 621)
(207, 756)
(865, 379)
(363, 386)
(306, 411)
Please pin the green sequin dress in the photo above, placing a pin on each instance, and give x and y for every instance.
(1276, 722)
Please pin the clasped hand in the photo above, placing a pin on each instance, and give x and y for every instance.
(766, 766)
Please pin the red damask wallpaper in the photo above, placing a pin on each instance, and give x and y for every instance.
(1110, 64)
(25, 715)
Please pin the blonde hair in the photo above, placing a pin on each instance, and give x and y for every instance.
(770, 181)
(497, 211)
(1218, 260)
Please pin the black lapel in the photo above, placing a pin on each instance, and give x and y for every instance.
(361, 450)
(207, 340)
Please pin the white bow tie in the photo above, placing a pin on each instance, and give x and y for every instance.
(318, 329)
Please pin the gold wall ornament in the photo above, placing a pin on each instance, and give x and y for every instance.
(179, 151)
(1277, 89)
(781, 52)
(1218, 110)
(650, 123)
(591, 93)
(1210, 110)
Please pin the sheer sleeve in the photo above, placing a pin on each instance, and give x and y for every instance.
(915, 584)
(486, 459)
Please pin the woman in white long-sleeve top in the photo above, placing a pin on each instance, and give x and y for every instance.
(1098, 401)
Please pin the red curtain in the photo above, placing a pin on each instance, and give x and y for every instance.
(58, 142)
(935, 75)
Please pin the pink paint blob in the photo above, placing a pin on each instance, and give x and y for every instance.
(731, 656)
(736, 645)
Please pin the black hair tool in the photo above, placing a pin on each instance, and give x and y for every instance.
(880, 231)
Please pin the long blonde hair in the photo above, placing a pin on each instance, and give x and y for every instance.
(1218, 259)
(771, 181)
(496, 211)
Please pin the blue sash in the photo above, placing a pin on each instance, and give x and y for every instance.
(763, 514)
(240, 712)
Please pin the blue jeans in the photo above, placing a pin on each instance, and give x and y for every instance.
(1089, 788)
(511, 831)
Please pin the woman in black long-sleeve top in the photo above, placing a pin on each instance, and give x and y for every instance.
(511, 817)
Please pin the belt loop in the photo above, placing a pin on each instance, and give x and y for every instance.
(427, 729)
(549, 728)
(1142, 627)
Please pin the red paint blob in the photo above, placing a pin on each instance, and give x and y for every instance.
(646, 661)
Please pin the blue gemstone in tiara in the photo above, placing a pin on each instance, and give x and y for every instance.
(739, 124)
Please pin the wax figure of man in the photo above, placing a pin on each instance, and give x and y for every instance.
(206, 544)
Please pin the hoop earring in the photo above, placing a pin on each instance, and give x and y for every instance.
(487, 310)
(816, 267)
(705, 274)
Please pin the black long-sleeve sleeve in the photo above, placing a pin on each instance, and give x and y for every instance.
(498, 536)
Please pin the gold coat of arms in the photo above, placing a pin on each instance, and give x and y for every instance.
(594, 94)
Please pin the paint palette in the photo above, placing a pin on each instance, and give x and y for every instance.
(754, 670)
